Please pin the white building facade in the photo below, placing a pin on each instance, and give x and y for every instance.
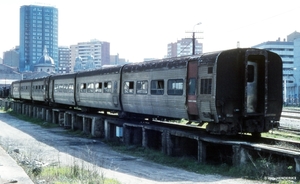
(184, 47)
(99, 50)
(288, 50)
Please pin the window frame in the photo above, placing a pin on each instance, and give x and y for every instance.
(142, 87)
(157, 87)
(175, 87)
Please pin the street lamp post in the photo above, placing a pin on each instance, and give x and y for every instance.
(194, 39)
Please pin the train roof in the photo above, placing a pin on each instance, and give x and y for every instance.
(102, 71)
(168, 63)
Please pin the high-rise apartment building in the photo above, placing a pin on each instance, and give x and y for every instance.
(64, 63)
(184, 47)
(288, 49)
(38, 30)
(11, 57)
(97, 50)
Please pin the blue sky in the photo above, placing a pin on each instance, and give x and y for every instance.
(138, 29)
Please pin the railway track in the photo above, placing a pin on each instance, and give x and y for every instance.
(290, 121)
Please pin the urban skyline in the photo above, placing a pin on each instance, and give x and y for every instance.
(133, 33)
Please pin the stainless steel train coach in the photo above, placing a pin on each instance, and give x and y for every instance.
(234, 91)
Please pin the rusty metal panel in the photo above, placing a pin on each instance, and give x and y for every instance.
(192, 95)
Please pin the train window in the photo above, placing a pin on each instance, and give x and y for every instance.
(56, 88)
(210, 70)
(66, 88)
(250, 70)
(157, 87)
(205, 86)
(83, 88)
(175, 87)
(16, 89)
(192, 86)
(141, 87)
(71, 88)
(90, 88)
(107, 87)
(60, 88)
(98, 87)
(128, 87)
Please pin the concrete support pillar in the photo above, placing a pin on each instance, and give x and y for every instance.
(23, 109)
(107, 129)
(43, 113)
(26, 110)
(34, 109)
(30, 110)
(11, 104)
(84, 124)
(61, 116)
(297, 160)
(19, 110)
(93, 126)
(48, 115)
(145, 138)
(167, 144)
(67, 119)
(239, 155)
(201, 151)
(73, 121)
(54, 116)
(98, 127)
(6, 105)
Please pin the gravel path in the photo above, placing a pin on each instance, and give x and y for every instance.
(46, 146)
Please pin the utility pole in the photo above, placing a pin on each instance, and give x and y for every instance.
(194, 38)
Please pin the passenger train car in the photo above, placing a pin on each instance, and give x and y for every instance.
(237, 90)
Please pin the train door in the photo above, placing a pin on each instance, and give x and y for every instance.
(51, 89)
(256, 82)
(192, 76)
(251, 89)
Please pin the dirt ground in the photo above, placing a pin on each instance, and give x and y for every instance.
(47, 146)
